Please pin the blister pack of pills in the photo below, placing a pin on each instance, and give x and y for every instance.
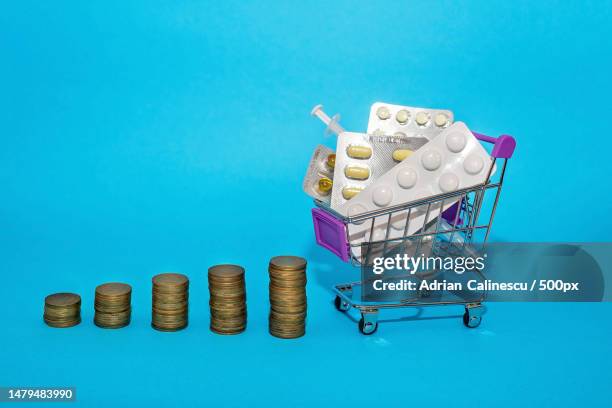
(319, 177)
(388, 119)
(362, 159)
(453, 160)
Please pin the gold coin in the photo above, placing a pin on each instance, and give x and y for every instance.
(286, 262)
(288, 333)
(225, 271)
(63, 300)
(222, 331)
(170, 279)
(224, 314)
(62, 310)
(170, 306)
(113, 289)
(62, 324)
(164, 328)
(227, 300)
(285, 270)
(288, 309)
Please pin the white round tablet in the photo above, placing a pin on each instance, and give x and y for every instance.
(441, 119)
(473, 164)
(448, 182)
(455, 141)
(422, 118)
(382, 195)
(431, 160)
(398, 222)
(402, 116)
(378, 235)
(356, 209)
(383, 113)
(407, 177)
(399, 134)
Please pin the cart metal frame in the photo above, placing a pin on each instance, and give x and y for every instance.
(459, 223)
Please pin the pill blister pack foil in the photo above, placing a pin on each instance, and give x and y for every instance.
(389, 119)
(319, 177)
(453, 160)
(362, 159)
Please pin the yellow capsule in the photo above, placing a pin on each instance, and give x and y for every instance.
(331, 161)
(359, 152)
(350, 192)
(325, 185)
(356, 172)
(401, 154)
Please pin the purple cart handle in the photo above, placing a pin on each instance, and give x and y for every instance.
(503, 146)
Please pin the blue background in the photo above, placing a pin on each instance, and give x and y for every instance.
(142, 137)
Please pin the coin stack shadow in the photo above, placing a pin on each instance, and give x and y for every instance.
(287, 296)
(228, 312)
(170, 302)
(112, 305)
(62, 310)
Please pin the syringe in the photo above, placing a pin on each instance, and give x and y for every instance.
(332, 123)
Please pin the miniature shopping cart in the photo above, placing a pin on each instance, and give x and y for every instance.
(467, 221)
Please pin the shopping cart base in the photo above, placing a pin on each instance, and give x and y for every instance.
(368, 323)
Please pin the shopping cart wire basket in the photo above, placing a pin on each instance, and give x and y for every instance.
(461, 223)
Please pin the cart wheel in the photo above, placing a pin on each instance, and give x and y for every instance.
(471, 321)
(367, 328)
(341, 305)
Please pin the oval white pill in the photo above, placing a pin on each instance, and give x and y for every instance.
(402, 116)
(406, 178)
(473, 164)
(448, 182)
(382, 196)
(431, 160)
(455, 141)
(441, 120)
(422, 118)
(383, 113)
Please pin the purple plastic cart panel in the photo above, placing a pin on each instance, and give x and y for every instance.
(330, 233)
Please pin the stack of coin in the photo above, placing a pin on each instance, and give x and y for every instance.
(170, 302)
(228, 313)
(62, 310)
(287, 296)
(113, 305)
